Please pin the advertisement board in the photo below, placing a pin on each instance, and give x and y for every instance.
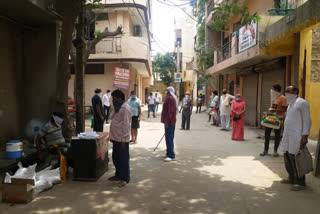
(177, 77)
(247, 37)
(121, 78)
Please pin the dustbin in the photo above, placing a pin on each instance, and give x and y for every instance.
(90, 157)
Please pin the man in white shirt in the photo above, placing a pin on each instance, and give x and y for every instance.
(106, 105)
(157, 101)
(297, 126)
(225, 109)
(151, 101)
(215, 105)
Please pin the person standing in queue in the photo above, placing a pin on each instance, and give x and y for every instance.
(135, 105)
(168, 117)
(106, 105)
(225, 109)
(151, 102)
(186, 109)
(120, 136)
(157, 101)
(98, 115)
(296, 131)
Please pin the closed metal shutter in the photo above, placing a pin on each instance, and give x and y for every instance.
(250, 85)
(270, 78)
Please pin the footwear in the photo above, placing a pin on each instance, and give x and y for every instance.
(264, 153)
(181, 128)
(297, 187)
(169, 159)
(285, 181)
(275, 154)
(107, 122)
(122, 183)
(222, 129)
(133, 142)
(114, 178)
(164, 156)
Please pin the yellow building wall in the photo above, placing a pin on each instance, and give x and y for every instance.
(311, 89)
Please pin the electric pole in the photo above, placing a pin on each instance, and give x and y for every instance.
(178, 69)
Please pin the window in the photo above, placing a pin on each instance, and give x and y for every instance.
(137, 31)
(102, 17)
(90, 69)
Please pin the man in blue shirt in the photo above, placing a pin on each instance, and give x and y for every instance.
(135, 105)
(97, 111)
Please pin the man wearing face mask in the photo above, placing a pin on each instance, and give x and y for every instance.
(135, 105)
(120, 136)
(97, 111)
(106, 104)
(225, 109)
(278, 106)
(295, 135)
(186, 109)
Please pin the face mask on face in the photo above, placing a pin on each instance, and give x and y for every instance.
(273, 94)
(100, 94)
(133, 97)
(290, 97)
(238, 99)
(109, 94)
(187, 96)
(58, 120)
(117, 105)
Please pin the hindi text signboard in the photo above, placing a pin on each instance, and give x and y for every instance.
(247, 37)
(121, 78)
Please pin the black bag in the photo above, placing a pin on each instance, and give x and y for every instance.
(236, 118)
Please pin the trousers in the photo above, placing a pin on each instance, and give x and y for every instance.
(121, 161)
(169, 135)
(291, 167)
(106, 112)
(97, 124)
(151, 108)
(225, 121)
(267, 134)
(185, 118)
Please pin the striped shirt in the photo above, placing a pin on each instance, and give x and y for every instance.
(52, 134)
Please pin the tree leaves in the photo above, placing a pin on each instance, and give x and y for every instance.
(165, 65)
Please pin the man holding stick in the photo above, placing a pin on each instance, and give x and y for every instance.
(168, 117)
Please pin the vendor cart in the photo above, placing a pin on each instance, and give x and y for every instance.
(90, 157)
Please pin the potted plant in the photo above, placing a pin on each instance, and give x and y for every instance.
(283, 8)
(272, 11)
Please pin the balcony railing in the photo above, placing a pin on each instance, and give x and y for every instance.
(225, 52)
(122, 47)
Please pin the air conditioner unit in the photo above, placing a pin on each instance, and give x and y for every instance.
(137, 30)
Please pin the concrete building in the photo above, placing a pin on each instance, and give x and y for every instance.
(284, 51)
(29, 50)
(132, 50)
(185, 30)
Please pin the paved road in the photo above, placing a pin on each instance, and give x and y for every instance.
(212, 174)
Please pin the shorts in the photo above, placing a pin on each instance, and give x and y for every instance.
(135, 124)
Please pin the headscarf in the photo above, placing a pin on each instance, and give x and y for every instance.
(237, 106)
(171, 91)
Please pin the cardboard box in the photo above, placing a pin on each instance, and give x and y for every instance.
(19, 191)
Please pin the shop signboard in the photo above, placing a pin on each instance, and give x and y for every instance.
(121, 78)
(247, 36)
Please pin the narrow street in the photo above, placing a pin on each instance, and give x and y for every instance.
(212, 174)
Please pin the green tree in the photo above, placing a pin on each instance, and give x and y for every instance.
(165, 66)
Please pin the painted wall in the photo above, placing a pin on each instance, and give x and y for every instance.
(308, 39)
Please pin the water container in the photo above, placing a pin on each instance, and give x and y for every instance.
(14, 149)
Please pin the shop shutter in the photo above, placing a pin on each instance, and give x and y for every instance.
(250, 84)
(270, 78)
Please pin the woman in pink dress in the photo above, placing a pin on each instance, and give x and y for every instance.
(238, 108)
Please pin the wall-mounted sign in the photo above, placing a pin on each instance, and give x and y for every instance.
(177, 77)
(121, 78)
(247, 36)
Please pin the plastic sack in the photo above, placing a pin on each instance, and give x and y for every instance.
(42, 185)
(26, 173)
(52, 176)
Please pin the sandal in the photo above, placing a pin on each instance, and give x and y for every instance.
(297, 187)
(285, 181)
(122, 183)
(114, 178)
